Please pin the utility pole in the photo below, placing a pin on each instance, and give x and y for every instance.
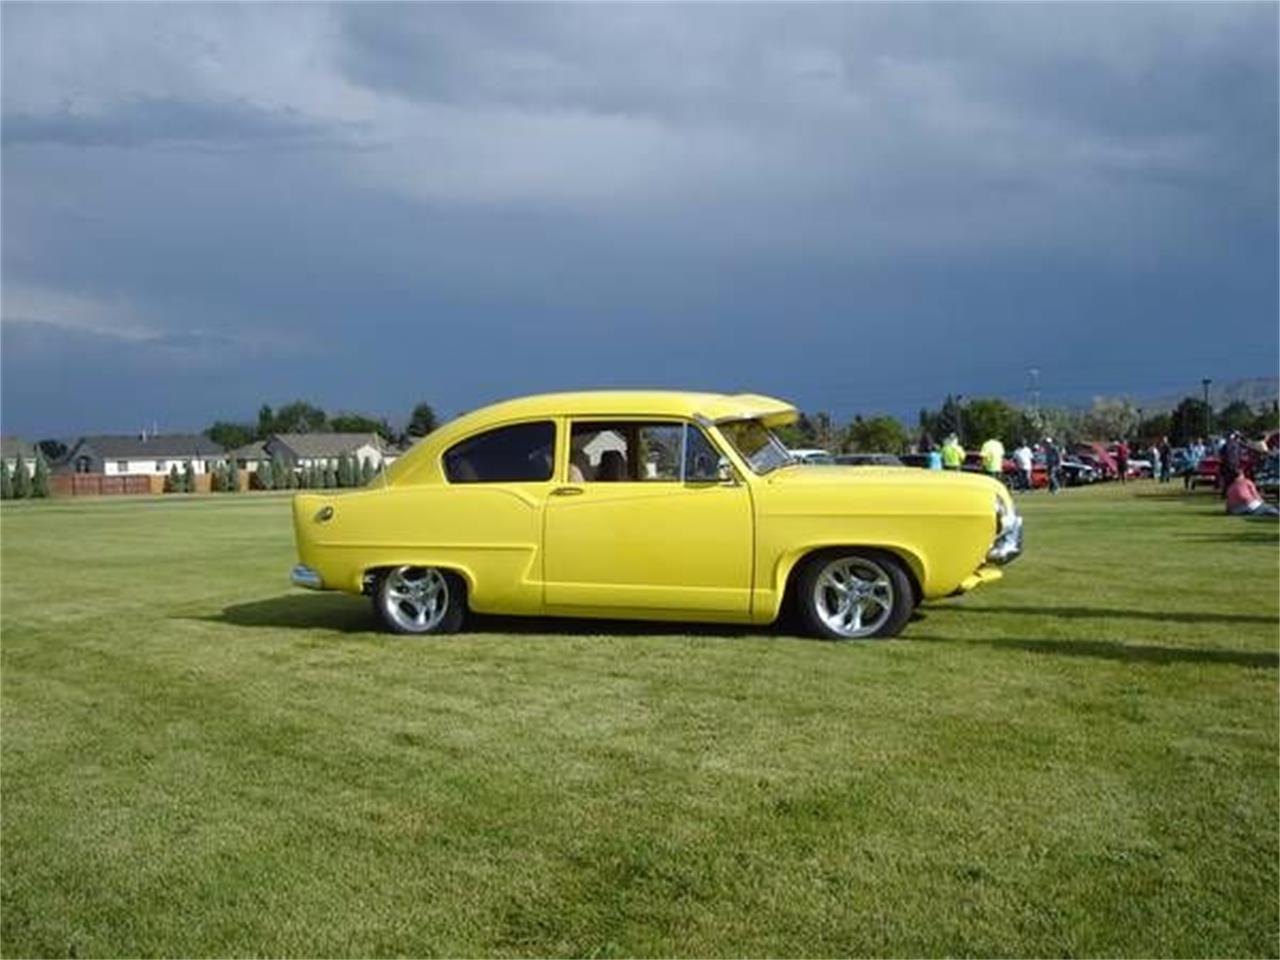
(1207, 409)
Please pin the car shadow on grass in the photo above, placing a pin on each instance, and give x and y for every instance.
(1102, 613)
(1124, 652)
(343, 613)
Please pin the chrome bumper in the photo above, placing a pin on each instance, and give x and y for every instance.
(303, 576)
(1008, 545)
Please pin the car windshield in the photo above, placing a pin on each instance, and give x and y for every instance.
(756, 444)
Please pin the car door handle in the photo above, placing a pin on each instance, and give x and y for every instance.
(566, 492)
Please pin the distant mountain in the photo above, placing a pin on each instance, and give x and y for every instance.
(1252, 390)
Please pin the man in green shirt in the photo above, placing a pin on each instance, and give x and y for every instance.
(993, 458)
(952, 454)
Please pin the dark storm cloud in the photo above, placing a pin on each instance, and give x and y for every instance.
(165, 122)
(857, 206)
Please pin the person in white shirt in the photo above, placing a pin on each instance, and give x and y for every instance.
(1022, 457)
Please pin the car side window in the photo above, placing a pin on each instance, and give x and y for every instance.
(701, 458)
(522, 452)
(625, 452)
(640, 452)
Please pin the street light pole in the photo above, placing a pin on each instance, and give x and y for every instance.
(1207, 409)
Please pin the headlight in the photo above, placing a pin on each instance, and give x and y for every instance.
(1005, 517)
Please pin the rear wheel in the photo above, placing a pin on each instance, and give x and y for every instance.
(855, 594)
(420, 600)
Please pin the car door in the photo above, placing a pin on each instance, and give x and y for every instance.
(644, 522)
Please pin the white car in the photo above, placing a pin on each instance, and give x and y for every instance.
(814, 455)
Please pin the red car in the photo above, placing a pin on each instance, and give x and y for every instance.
(1099, 457)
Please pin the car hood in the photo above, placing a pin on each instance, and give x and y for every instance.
(904, 478)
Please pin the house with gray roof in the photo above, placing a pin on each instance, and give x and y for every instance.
(250, 456)
(13, 449)
(321, 449)
(141, 454)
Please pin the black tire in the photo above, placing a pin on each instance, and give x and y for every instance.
(420, 601)
(881, 586)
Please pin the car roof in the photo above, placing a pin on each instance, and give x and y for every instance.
(716, 407)
(420, 463)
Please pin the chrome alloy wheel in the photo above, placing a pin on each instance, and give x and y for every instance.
(415, 599)
(853, 596)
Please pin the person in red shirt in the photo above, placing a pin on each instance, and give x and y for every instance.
(1122, 459)
(1243, 500)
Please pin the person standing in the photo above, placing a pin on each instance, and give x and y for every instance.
(1195, 453)
(1154, 454)
(993, 458)
(1122, 459)
(952, 453)
(1166, 460)
(1023, 458)
(1229, 465)
(1053, 463)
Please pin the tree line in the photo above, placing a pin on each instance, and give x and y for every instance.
(303, 417)
(979, 419)
(346, 470)
(22, 483)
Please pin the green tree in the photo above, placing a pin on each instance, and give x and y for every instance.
(299, 417)
(53, 449)
(346, 476)
(40, 479)
(1236, 415)
(266, 422)
(279, 473)
(422, 421)
(366, 471)
(1110, 418)
(1187, 421)
(330, 475)
(231, 435)
(6, 482)
(173, 482)
(188, 478)
(987, 417)
(21, 480)
(266, 475)
(233, 477)
(877, 435)
(358, 423)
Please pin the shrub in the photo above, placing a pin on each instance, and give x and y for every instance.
(330, 475)
(188, 478)
(265, 475)
(279, 474)
(366, 472)
(21, 480)
(233, 477)
(6, 482)
(40, 481)
(173, 482)
(345, 476)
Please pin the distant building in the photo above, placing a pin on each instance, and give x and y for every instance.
(13, 449)
(141, 455)
(250, 456)
(321, 449)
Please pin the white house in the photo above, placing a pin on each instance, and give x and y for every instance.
(321, 449)
(141, 455)
(13, 449)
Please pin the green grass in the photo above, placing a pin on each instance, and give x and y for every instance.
(1080, 760)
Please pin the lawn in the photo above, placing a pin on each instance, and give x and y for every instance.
(195, 759)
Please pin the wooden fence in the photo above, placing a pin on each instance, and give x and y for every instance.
(102, 485)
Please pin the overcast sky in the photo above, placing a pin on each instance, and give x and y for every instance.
(857, 207)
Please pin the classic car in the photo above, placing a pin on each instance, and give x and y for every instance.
(813, 455)
(649, 505)
(869, 460)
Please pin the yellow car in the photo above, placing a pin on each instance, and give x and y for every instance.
(649, 505)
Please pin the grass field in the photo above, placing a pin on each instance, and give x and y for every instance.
(1081, 760)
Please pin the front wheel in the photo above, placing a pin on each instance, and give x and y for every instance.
(855, 594)
(420, 600)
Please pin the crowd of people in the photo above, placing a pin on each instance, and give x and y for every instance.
(1159, 459)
